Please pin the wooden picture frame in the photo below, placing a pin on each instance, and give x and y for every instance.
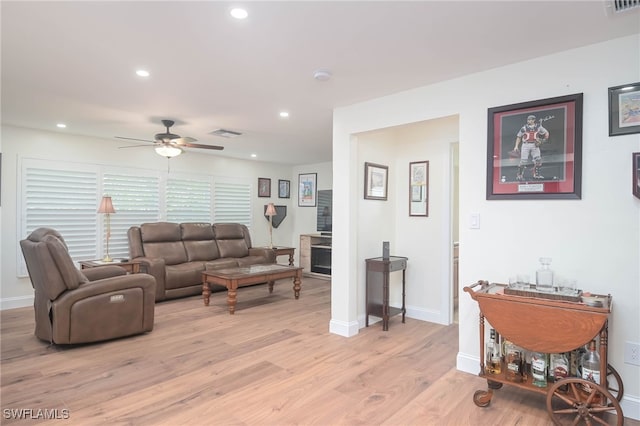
(636, 174)
(534, 150)
(264, 187)
(307, 189)
(376, 179)
(624, 109)
(284, 188)
(419, 188)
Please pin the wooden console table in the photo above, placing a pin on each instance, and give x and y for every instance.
(377, 288)
(129, 266)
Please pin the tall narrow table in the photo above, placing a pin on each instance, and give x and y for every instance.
(232, 278)
(377, 288)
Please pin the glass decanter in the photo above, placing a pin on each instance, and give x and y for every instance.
(544, 276)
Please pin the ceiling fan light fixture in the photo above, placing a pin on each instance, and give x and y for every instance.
(168, 151)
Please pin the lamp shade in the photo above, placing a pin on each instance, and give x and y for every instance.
(168, 151)
(271, 210)
(106, 206)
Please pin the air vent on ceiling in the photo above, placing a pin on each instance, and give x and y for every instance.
(225, 133)
(619, 6)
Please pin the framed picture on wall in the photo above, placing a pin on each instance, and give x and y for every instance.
(419, 188)
(636, 174)
(534, 149)
(307, 188)
(624, 109)
(376, 178)
(284, 188)
(264, 187)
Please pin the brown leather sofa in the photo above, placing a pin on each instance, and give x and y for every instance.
(73, 306)
(177, 253)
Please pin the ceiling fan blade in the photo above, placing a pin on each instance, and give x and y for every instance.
(134, 139)
(134, 146)
(182, 141)
(197, 145)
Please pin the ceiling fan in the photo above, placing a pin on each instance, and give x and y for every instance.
(171, 145)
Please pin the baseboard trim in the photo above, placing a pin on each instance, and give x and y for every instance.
(15, 302)
(343, 328)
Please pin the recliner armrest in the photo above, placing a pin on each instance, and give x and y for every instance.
(102, 272)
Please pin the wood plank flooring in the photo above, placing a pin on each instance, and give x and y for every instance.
(272, 363)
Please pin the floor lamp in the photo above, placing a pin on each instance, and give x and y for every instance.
(106, 207)
(271, 212)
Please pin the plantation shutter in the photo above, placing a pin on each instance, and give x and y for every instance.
(188, 200)
(232, 202)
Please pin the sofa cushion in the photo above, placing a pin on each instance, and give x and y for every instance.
(183, 275)
(233, 248)
(199, 242)
(225, 231)
(163, 240)
(71, 276)
(221, 264)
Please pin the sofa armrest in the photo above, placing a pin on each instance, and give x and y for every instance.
(102, 272)
(155, 267)
(268, 254)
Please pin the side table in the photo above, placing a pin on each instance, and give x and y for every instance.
(377, 288)
(281, 251)
(129, 266)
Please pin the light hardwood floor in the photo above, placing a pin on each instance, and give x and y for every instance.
(272, 363)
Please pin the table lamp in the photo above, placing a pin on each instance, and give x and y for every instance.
(271, 212)
(106, 207)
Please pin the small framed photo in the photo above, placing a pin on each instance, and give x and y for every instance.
(636, 174)
(624, 109)
(376, 178)
(534, 150)
(307, 188)
(419, 188)
(284, 188)
(264, 187)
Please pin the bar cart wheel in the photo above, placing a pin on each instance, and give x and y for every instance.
(568, 403)
(482, 398)
(614, 383)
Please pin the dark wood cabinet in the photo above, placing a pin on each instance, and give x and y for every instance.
(377, 288)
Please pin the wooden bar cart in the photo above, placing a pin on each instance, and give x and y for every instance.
(551, 326)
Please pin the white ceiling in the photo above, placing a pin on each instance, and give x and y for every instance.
(75, 62)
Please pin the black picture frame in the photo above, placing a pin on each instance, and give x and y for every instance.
(636, 174)
(284, 188)
(264, 187)
(557, 174)
(624, 109)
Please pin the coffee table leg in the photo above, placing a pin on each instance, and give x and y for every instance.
(297, 284)
(232, 299)
(206, 292)
(271, 286)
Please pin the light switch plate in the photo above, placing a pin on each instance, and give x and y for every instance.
(474, 221)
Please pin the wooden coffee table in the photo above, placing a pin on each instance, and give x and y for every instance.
(233, 278)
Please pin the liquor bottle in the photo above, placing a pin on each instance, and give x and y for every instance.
(492, 359)
(513, 360)
(558, 366)
(539, 369)
(591, 364)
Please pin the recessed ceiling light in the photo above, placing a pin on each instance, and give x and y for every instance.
(61, 125)
(142, 73)
(322, 74)
(284, 114)
(239, 13)
(254, 155)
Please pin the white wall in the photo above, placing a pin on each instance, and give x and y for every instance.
(595, 239)
(20, 143)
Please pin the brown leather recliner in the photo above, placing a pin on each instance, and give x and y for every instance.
(75, 307)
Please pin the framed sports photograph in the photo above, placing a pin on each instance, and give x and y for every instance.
(419, 188)
(534, 150)
(264, 187)
(636, 174)
(307, 188)
(284, 190)
(624, 109)
(376, 178)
